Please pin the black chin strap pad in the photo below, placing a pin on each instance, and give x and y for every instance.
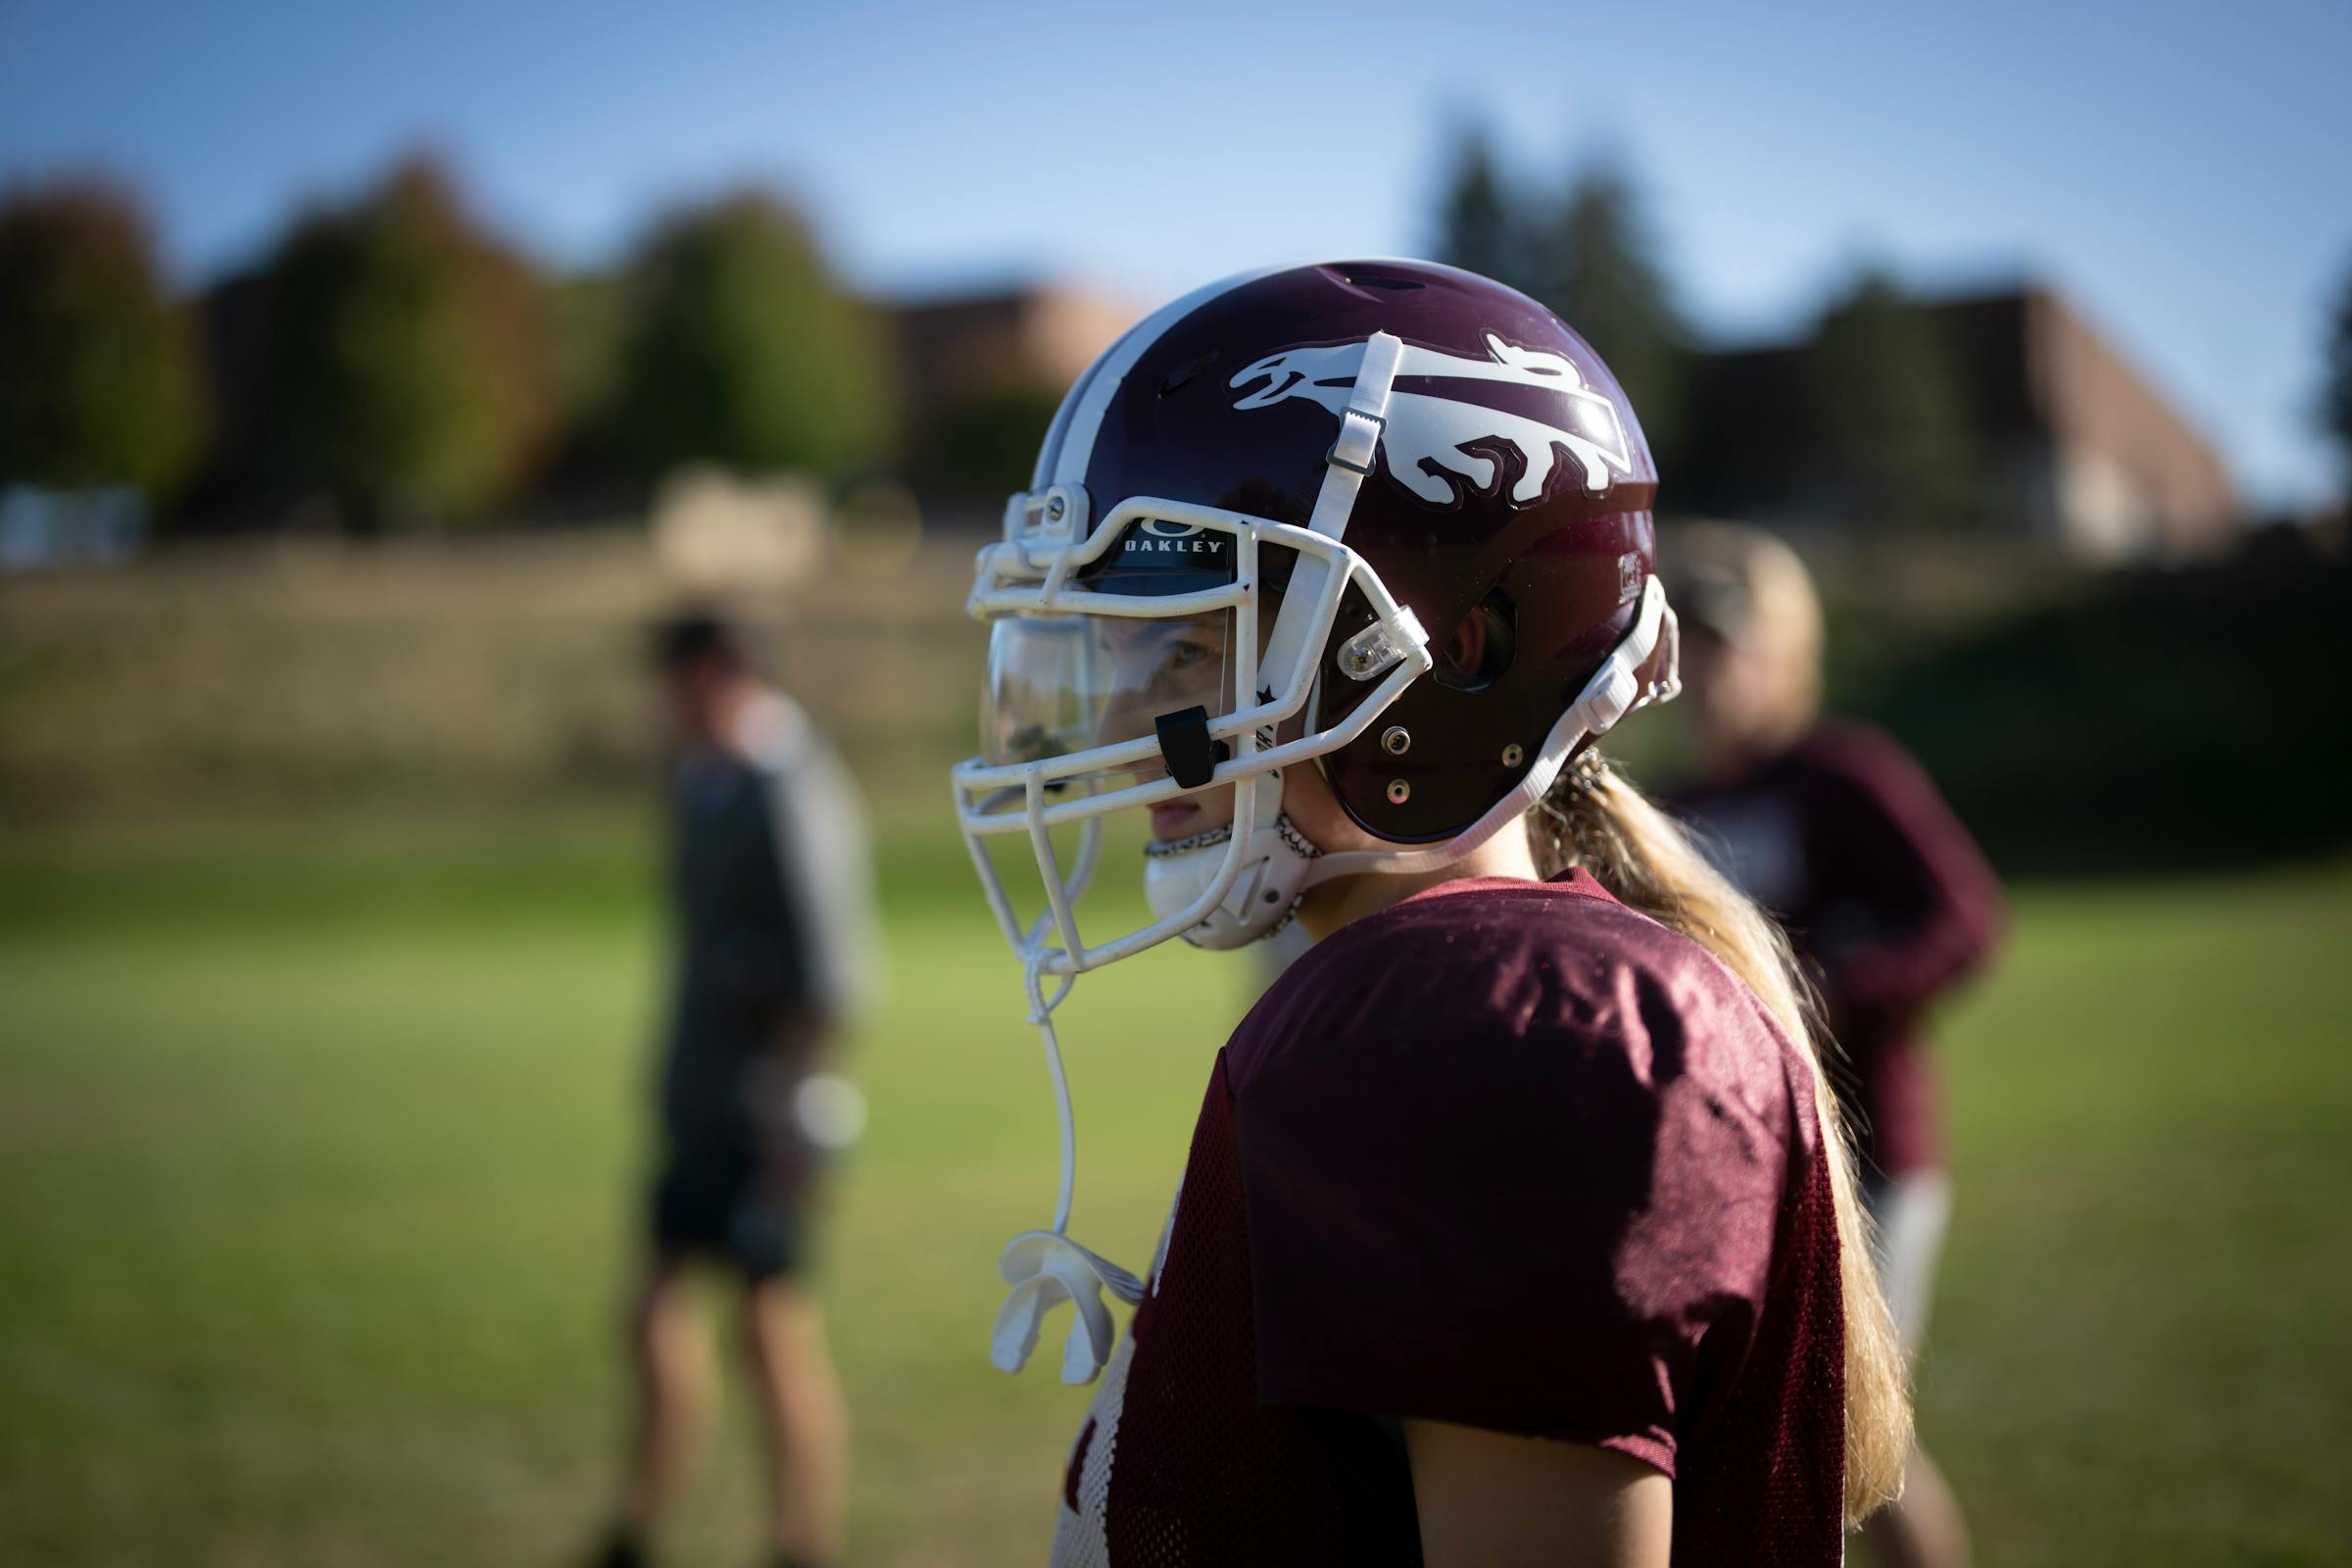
(1183, 745)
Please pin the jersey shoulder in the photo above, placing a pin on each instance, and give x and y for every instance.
(1477, 975)
(1514, 1155)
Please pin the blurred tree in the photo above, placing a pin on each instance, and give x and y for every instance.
(984, 446)
(742, 350)
(2336, 409)
(587, 316)
(98, 377)
(1590, 255)
(586, 320)
(1478, 229)
(1595, 261)
(1888, 408)
(402, 360)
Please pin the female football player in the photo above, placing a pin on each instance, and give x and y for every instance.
(1517, 1226)
(1835, 830)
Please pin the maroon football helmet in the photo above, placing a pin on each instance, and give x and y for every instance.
(1451, 498)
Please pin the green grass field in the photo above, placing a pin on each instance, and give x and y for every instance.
(318, 1155)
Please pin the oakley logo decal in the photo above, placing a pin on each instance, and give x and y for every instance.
(1426, 428)
(1164, 537)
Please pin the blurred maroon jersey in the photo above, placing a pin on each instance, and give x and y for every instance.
(1509, 1156)
(1843, 838)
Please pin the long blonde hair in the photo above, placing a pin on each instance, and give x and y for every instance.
(1594, 818)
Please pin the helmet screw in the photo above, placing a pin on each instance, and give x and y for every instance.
(1394, 740)
(1056, 505)
(1511, 755)
(1355, 660)
(1400, 792)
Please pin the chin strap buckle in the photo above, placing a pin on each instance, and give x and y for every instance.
(1360, 430)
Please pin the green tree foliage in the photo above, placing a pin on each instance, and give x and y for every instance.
(742, 350)
(1595, 261)
(2337, 410)
(98, 378)
(985, 446)
(403, 369)
(1478, 229)
(1589, 254)
(1888, 406)
(585, 320)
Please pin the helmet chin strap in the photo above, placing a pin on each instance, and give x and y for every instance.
(1614, 691)
(1276, 859)
(1363, 421)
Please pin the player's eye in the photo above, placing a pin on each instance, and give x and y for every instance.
(1185, 655)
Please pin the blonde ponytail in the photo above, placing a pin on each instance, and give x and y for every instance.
(1594, 818)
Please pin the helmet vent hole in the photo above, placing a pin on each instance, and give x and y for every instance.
(1394, 284)
(1480, 650)
(1183, 374)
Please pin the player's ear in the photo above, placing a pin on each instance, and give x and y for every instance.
(1465, 648)
(1480, 648)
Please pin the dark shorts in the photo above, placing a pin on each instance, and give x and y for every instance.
(716, 1202)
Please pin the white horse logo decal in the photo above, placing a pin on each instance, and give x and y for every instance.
(1424, 428)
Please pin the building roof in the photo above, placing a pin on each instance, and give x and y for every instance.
(2049, 401)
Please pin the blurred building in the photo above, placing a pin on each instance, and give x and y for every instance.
(979, 377)
(1031, 339)
(2078, 449)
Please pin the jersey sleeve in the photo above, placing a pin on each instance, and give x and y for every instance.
(1926, 907)
(825, 875)
(1535, 1217)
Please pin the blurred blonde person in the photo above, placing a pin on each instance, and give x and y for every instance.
(772, 904)
(1829, 825)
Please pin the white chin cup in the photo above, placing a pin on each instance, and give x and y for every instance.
(1274, 866)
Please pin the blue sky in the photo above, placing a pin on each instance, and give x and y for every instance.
(2184, 174)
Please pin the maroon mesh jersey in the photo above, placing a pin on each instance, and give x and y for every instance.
(1885, 895)
(1510, 1156)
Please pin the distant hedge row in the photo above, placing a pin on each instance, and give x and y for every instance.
(2150, 722)
(2165, 720)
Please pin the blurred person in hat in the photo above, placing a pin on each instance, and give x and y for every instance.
(1833, 827)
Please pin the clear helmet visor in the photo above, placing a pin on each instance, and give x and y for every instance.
(1084, 695)
(1064, 684)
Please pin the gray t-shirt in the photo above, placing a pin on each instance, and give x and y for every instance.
(775, 922)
